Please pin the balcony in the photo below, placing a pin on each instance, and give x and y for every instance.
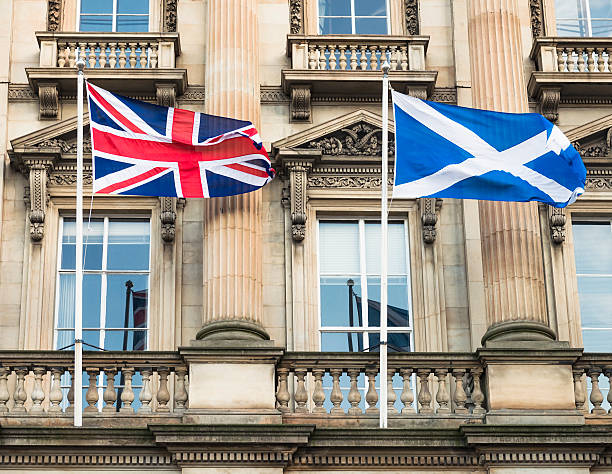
(577, 69)
(128, 63)
(327, 66)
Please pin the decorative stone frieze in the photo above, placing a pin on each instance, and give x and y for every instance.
(549, 102)
(537, 18)
(170, 16)
(346, 182)
(54, 15)
(89, 459)
(429, 218)
(48, 97)
(556, 220)
(378, 460)
(296, 16)
(411, 10)
(168, 218)
(300, 108)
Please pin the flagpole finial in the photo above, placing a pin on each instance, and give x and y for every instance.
(385, 67)
(80, 64)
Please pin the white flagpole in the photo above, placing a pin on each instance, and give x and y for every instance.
(383, 247)
(77, 383)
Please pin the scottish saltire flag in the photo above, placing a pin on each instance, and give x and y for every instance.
(148, 150)
(448, 151)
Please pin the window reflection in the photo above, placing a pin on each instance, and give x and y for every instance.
(106, 15)
(353, 17)
(584, 18)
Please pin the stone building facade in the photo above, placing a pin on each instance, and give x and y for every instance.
(239, 335)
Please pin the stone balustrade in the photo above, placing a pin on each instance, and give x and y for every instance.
(340, 384)
(130, 383)
(592, 381)
(573, 55)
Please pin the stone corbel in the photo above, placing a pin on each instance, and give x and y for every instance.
(420, 92)
(48, 99)
(429, 218)
(549, 102)
(300, 107)
(38, 171)
(168, 219)
(298, 179)
(166, 94)
(556, 220)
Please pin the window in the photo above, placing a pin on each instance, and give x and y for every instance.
(115, 284)
(584, 17)
(362, 17)
(349, 269)
(113, 15)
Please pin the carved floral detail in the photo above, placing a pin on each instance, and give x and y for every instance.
(170, 15)
(295, 16)
(54, 15)
(361, 139)
(69, 179)
(412, 16)
(64, 146)
(355, 182)
(598, 149)
(537, 18)
(557, 220)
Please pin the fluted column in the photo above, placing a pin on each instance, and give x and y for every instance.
(232, 277)
(511, 244)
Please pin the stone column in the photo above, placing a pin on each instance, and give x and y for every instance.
(232, 277)
(511, 244)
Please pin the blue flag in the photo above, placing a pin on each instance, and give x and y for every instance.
(455, 152)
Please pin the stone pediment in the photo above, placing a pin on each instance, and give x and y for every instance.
(356, 135)
(594, 139)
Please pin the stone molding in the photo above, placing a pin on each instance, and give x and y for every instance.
(298, 178)
(37, 197)
(48, 96)
(89, 460)
(346, 182)
(300, 106)
(360, 460)
(54, 15)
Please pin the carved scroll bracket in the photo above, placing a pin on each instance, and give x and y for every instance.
(429, 208)
(549, 102)
(300, 106)
(168, 218)
(556, 220)
(166, 94)
(38, 171)
(298, 178)
(48, 99)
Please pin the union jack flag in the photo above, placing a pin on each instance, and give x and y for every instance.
(147, 150)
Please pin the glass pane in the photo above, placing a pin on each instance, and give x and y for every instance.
(370, 8)
(65, 339)
(341, 342)
(118, 298)
(132, 6)
(397, 342)
(339, 247)
(91, 301)
(96, 23)
(370, 26)
(65, 310)
(593, 247)
(572, 28)
(128, 245)
(396, 248)
(602, 28)
(92, 244)
(397, 307)
(92, 340)
(601, 9)
(595, 295)
(598, 340)
(335, 310)
(125, 340)
(334, 7)
(568, 9)
(97, 6)
(132, 23)
(335, 26)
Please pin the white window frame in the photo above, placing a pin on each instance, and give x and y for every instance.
(585, 6)
(353, 16)
(113, 14)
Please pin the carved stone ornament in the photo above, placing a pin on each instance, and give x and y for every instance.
(598, 149)
(537, 18)
(347, 182)
(54, 15)
(48, 97)
(299, 107)
(65, 147)
(170, 15)
(411, 8)
(419, 92)
(361, 139)
(298, 180)
(37, 197)
(429, 218)
(168, 218)
(166, 95)
(556, 219)
(549, 103)
(296, 19)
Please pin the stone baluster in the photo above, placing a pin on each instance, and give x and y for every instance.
(92, 55)
(127, 394)
(391, 395)
(596, 395)
(70, 394)
(569, 59)
(424, 397)
(282, 392)
(333, 62)
(393, 57)
(342, 60)
(353, 60)
(132, 57)
(312, 56)
(163, 394)
(91, 396)
(122, 55)
(407, 397)
(373, 58)
(180, 393)
(601, 65)
(146, 395)
(142, 59)
(560, 60)
(363, 58)
(322, 58)
(590, 59)
(459, 397)
(55, 392)
(4, 391)
(102, 58)
(608, 374)
(82, 53)
(20, 396)
(153, 56)
(110, 395)
(442, 395)
(318, 395)
(301, 396)
(61, 54)
(371, 395)
(71, 54)
(477, 395)
(579, 393)
(38, 395)
(404, 58)
(112, 56)
(354, 396)
(336, 394)
(609, 53)
(580, 62)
